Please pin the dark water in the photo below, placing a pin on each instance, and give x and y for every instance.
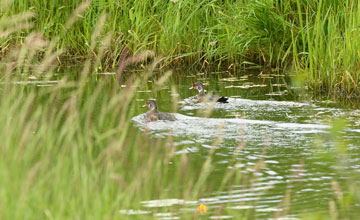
(276, 123)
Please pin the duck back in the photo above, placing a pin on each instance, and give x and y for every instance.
(166, 116)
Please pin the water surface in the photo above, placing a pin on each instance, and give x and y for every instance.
(267, 120)
(273, 122)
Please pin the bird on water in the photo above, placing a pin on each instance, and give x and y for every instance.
(153, 114)
(201, 96)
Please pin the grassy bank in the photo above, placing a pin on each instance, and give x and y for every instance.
(191, 31)
(316, 39)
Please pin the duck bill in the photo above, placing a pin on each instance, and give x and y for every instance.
(192, 87)
(143, 106)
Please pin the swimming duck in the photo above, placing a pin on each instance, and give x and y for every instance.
(153, 114)
(201, 96)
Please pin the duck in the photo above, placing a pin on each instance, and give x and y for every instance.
(153, 114)
(201, 96)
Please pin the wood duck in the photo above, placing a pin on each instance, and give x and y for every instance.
(153, 114)
(201, 96)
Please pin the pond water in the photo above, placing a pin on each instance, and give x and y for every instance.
(265, 120)
(275, 122)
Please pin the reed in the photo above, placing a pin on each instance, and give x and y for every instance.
(328, 54)
(190, 31)
(315, 38)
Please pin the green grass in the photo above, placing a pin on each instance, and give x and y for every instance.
(194, 31)
(329, 47)
(69, 151)
(317, 39)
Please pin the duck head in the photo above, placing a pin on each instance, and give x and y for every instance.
(151, 104)
(198, 86)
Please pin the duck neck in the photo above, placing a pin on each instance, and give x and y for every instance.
(153, 109)
(201, 92)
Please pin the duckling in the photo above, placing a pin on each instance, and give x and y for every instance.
(201, 96)
(153, 114)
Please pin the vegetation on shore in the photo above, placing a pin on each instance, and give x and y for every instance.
(316, 39)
